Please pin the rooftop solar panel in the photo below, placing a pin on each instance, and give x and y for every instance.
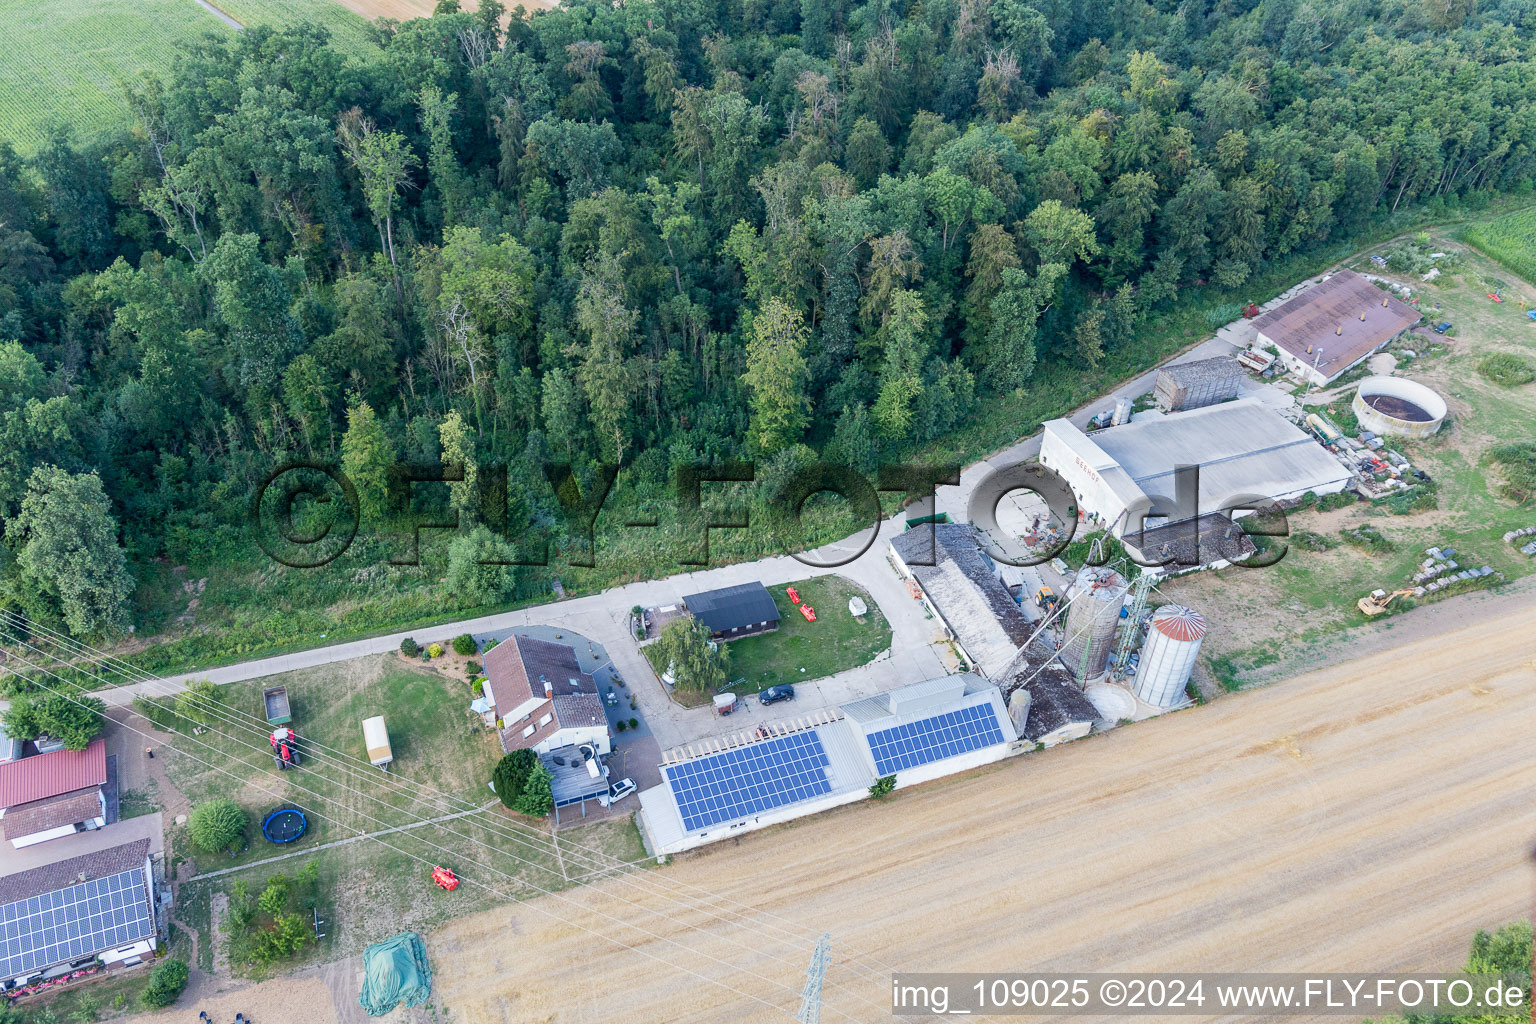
(749, 780)
(933, 739)
(74, 922)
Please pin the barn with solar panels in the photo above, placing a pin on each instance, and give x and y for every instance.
(788, 770)
(95, 909)
(934, 728)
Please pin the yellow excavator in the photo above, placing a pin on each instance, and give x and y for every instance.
(1377, 601)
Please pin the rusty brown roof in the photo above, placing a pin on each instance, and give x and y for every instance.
(52, 812)
(1328, 316)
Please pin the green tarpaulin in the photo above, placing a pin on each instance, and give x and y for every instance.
(395, 972)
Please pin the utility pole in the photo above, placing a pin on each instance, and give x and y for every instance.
(810, 997)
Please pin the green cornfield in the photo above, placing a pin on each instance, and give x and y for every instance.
(1510, 239)
(65, 62)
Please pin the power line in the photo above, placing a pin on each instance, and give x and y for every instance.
(626, 879)
(241, 720)
(375, 837)
(507, 829)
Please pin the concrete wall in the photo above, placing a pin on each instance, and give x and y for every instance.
(951, 765)
(726, 830)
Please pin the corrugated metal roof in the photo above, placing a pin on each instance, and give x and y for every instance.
(45, 775)
(1179, 623)
(1328, 316)
(1243, 449)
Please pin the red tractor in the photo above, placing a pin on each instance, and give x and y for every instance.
(285, 748)
(444, 879)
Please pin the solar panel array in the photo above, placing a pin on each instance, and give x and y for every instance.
(749, 780)
(83, 919)
(933, 739)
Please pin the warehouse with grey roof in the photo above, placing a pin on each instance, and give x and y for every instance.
(1244, 453)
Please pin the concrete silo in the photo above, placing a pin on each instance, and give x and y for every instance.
(1168, 657)
(1096, 596)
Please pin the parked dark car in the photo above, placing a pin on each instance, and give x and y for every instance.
(1442, 328)
(774, 694)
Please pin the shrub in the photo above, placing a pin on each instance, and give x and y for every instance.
(490, 645)
(883, 786)
(218, 825)
(435, 651)
(409, 648)
(1193, 692)
(620, 725)
(1517, 462)
(1313, 541)
(477, 687)
(474, 668)
(465, 645)
(1336, 500)
(538, 797)
(634, 723)
(165, 984)
(1507, 369)
(510, 776)
(1366, 537)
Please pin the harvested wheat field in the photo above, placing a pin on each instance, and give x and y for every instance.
(1368, 816)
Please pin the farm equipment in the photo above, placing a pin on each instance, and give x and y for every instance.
(1496, 297)
(285, 747)
(376, 739)
(794, 595)
(444, 879)
(808, 612)
(275, 701)
(1045, 598)
(1377, 601)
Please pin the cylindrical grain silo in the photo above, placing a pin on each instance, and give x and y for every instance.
(1168, 656)
(1096, 596)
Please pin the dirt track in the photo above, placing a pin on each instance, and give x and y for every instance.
(1368, 816)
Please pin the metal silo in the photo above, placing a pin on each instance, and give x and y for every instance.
(1168, 657)
(1096, 595)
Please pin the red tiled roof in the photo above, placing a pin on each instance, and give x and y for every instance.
(42, 815)
(46, 775)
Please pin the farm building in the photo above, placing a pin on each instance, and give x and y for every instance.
(48, 796)
(964, 591)
(913, 734)
(1200, 383)
(79, 913)
(1325, 330)
(1245, 453)
(731, 613)
(542, 698)
(1044, 701)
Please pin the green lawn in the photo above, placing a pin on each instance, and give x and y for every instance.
(800, 650)
(435, 742)
(65, 61)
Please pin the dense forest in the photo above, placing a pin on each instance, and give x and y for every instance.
(648, 233)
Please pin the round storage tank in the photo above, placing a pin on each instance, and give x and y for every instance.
(1392, 405)
(1168, 656)
(1096, 596)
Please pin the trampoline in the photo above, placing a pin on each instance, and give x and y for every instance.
(284, 825)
